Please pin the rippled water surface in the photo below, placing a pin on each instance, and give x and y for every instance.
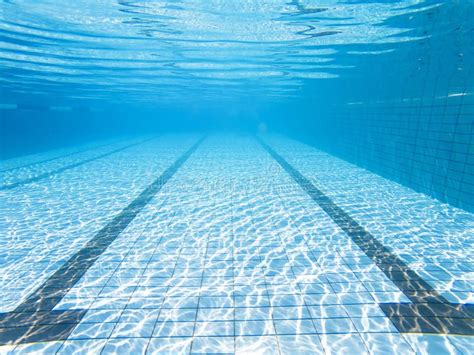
(147, 50)
(267, 177)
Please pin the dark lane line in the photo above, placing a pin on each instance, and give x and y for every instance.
(58, 157)
(68, 167)
(34, 319)
(429, 311)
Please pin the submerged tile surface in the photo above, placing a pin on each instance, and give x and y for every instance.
(232, 255)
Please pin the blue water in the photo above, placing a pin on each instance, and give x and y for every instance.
(236, 177)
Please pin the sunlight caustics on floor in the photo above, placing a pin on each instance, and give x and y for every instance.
(226, 243)
(250, 177)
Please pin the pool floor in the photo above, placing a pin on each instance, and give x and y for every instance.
(226, 243)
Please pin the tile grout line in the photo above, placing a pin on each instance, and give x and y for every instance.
(319, 335)
(167, 287)
(429, 311)
(35, 318)
(135, 287)
(68, 167)
(61, 156)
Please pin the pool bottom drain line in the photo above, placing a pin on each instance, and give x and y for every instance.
(70, 166)
(429, 311)
(35, 319)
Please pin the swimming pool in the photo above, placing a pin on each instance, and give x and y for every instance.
(294, 226)
(230, 252)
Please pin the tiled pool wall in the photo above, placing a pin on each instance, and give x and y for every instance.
(427, 147)
(408, 112)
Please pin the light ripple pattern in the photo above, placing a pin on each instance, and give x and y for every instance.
(149, 51)
(46, 221)
(232, 255)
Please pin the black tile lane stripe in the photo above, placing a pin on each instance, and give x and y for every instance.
(68, 167)
(428, 312)
(34, 319)
(58, 157)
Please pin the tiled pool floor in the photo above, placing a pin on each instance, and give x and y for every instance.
(176, 245)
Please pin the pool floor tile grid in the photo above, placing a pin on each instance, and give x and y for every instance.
(43, 157)
(31, 173)
(434, 239)
(47, 222)
(231, 254)
(427, 311)
(178, 252)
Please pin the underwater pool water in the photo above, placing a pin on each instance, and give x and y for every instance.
(236, 177)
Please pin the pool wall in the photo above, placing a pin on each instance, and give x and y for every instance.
(408, 114)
